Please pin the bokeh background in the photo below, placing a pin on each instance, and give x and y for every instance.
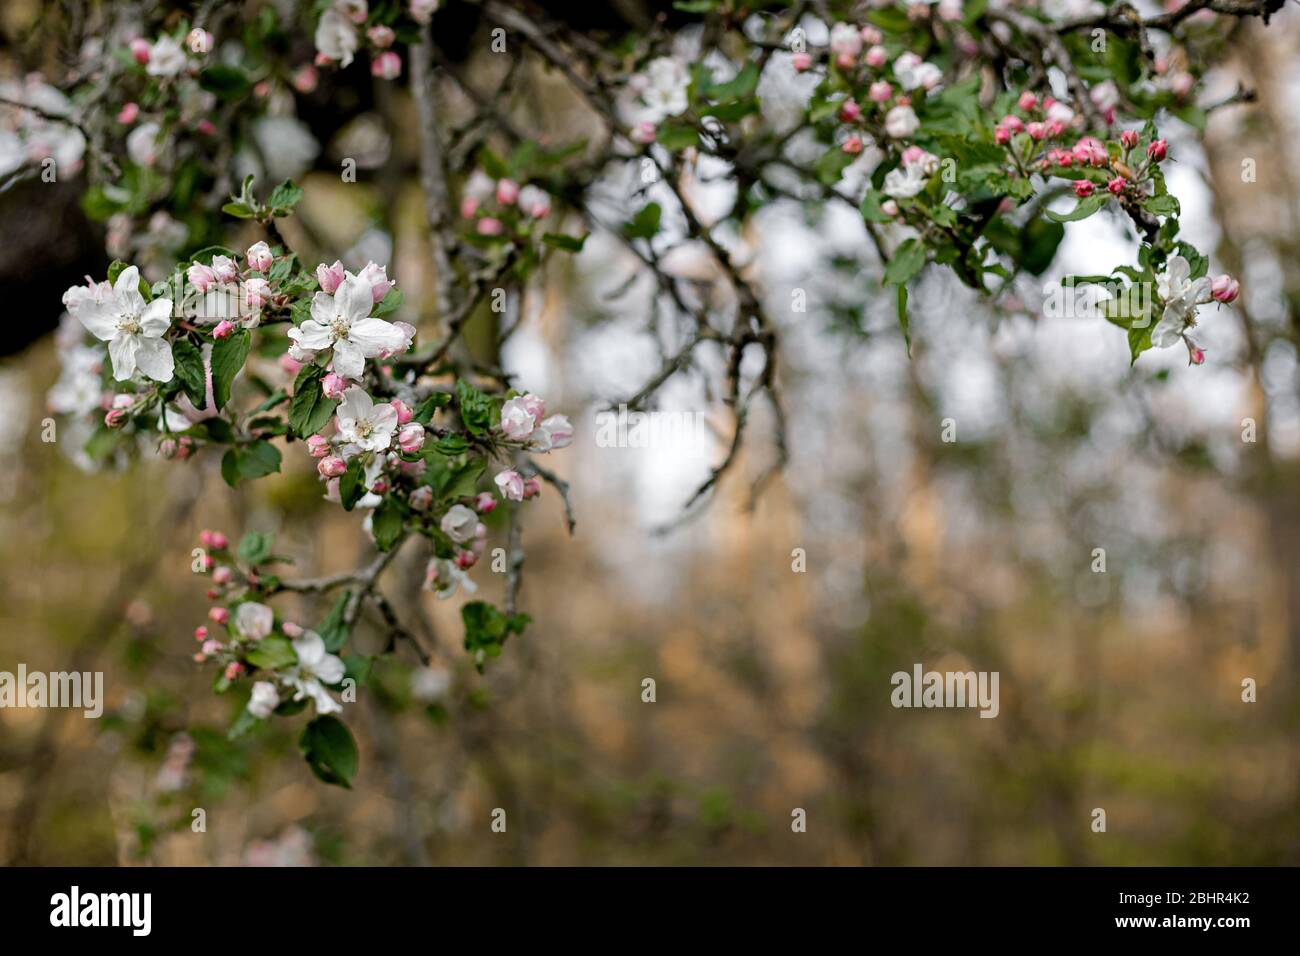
(1119, 690)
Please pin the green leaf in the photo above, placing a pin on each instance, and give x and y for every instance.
(674, 136)
(389, 303)
(334, 629)
(830, 167)
(386, 525)
(1039, 241)
(258, 459)
(239, 210)
(189, 370)
(272, 652)
(228, 82)
(475, 407)
(242, 725)
(486, 630)
(645, 223)
(352, 485)
(310, 410)
(739, 87)
(1083, 210)
(330, 751)
(451, 445)
(1165, 205)
(255, 547)
(284, 197)
(559, 240)
(908, 259)
(228, 357)
(230, 467)
(424, 412)
(358, 667)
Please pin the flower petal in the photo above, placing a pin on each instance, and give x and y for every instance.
(348, 359)
(154, 358)
(311, 335)
(353, 300)
(156, 318)
(376, 336)
(122, 350)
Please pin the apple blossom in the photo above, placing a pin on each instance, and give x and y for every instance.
(341, 322)
(1158, 149)
(336, 38)
(263, 700)
(128, 113)
(511, 484)
(330, 277)
(381, 36)
(845, 40)
(532, 487)
(364, 424)
(315, 668)
(880, 91)
(253, 620)
(507, 192)
(166, 57)
(259, 257)
(377, 276)
(459, 523)
(485, 503)
(1180, 294)
(877, 56)
(535, 202)
(489, 226)
(386, 66)
(218, 615)
(318, 446)
(517, 418)
(852, 145)
(222, 575)
(663, 87)
(1083, 188)
(140, 50)
(411, 438)
(421, 498)
(1224, 288)
(1027, 101)
(901, 122)
(801, 61)
(142, 144)
(132, 328)
(331, 466)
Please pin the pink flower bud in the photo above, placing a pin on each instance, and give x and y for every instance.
(871, 36)
(1129, 138)
(1027, 101)
(380, 487)
(1083, 188)
(116, 417)
(225, 268)
(140, 50)
(333, 385)
(889, 207)
(262, 90)
(849, 111)
(291, 629)
(213, 540)
(128, 113)
(877, 56)
(1036, 131)
(1195, 354)
(485, 503)
(201, 277)
(210, 648)
(233, 670)
(223, 329)
(259, 257)
(511, 484)
(411, 438)
(468, 206)
(219, 615)
(421, 498)
(318, 446)
(1001, 135)
(532, 487)
(507, 192)
(880, 91)
(306, 78)
(288, 364)
(1224, 288)
(802, 62)
(168, 448)
(330, 277)
(222, 576)
(488, 226)
(257, 292)
(381, 36)
(331, 466)
(1055, 127)
(386, 66)
(644, 133)
(404, 413)
(1090, 150)
(1158, 150)
(1013, 123)
(466, 560)
(845, 61)
(1116, 185)
(199, 658)
(201, 633)
(852, 145)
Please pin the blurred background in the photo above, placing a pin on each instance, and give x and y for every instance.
(1120, 690)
